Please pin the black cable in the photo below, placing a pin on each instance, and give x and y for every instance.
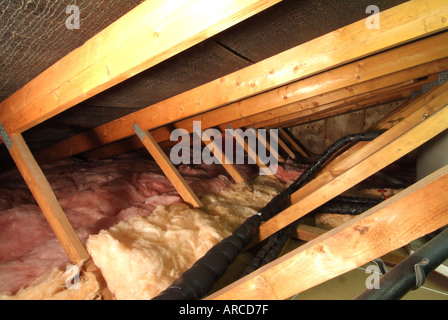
(277, 241)
(200, 278)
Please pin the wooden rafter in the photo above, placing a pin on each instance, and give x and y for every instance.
(374, 73)
(417, 17)
(388, 94)
(422, 125)
(380, 230)
(421, 73)
(398, 85)
(150, 33)
(378, 82)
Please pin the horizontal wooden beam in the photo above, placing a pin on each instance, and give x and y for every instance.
(386, 227)
(417, 18)
(406, 136)
(150, 33)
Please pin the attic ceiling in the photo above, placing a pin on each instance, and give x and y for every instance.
(33, 36)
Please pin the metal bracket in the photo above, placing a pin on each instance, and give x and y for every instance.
(381, 265)
(420, 275)
(5, 137)
(139, 131)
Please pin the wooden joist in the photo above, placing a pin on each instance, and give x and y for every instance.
(416, 129)
(386, 227)
(150, 33)
(167, 167)
(417, 17)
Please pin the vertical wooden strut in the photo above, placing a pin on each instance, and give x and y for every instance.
(287, 136)
(48, 203)
(264, 169)
(220, 156)
(167, 167)
(46, 199)
(267, 145)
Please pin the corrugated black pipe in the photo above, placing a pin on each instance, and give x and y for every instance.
(348, 205)
(275, 244)
(200, 278)
(411, 272)
(331, 150)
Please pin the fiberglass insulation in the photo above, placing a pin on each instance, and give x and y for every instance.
(141, 257)
(116, 195)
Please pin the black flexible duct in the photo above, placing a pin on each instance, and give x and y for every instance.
(341, 205)
(356, 200)
(348, 205)
(411, 272)
(331, 150)
(277, 241)
(200, 278)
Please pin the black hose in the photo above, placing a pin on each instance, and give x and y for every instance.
(411, 272)
(331, 150)
(356, 200)
(271, 250)
(277, 241)
(348, 205)
(273, 247)
(200, 278)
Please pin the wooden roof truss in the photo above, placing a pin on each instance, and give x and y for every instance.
(349, 69)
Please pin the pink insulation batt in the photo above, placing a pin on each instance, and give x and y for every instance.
(95, 195)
